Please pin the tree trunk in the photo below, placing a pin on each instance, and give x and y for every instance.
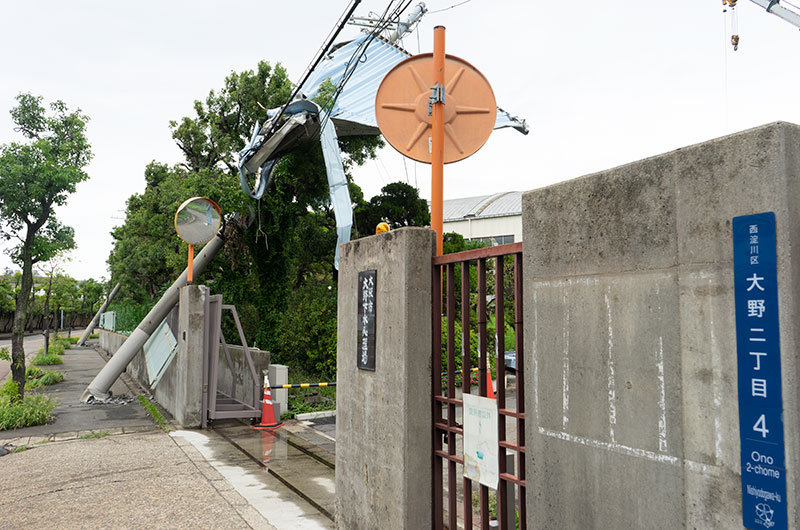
(21, 316)
(47, 315)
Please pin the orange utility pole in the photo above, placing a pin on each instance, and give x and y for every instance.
(437, 142)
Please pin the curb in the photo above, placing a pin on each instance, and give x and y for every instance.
(315, 415)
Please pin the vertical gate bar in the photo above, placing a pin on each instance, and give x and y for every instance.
(213, 372)
(206, 352)
(482, 371)
(520, 361)
(466, 373)
(500, 349)
(436, 390)
(452, 495)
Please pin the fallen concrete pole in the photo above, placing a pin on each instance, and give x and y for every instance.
(96, 318)
(98, 388)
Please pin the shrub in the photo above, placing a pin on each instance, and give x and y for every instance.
(9, 389)
(307, 337)
(35, 409)
(42, 360)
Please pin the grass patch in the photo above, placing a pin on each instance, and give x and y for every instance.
(94, 335)
(155, 414)
(302, 400)
(47, 360)
(34, 409)
(20, 449)
(73, 340)
(38, 378)
(91, 435)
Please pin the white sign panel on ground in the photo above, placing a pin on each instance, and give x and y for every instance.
(480, 440)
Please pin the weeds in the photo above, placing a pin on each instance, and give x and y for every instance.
(35, 409)
(20, 449)
(41, 378)
(47, 360)
(154, 413)
(91, 435)
(302, 400)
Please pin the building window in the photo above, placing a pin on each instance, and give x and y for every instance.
(494, 240)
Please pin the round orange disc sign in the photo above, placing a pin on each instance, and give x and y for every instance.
(402, 105)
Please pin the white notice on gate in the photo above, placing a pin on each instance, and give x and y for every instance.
(480, 440)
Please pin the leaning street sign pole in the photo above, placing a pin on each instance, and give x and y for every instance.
(437, 142)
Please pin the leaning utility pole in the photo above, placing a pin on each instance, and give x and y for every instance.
(96, 318)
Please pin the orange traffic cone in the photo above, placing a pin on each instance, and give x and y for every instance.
(268, 420)
(267, 440)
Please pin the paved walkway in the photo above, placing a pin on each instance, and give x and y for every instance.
(110, 466)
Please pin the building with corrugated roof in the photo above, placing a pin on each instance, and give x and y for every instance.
(495, 219)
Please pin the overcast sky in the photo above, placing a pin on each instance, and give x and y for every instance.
(600, 83)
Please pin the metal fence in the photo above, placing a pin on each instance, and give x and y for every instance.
(447, 406)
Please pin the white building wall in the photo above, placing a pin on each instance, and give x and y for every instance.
(487, 227)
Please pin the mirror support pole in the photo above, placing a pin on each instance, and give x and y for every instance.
(190, 266)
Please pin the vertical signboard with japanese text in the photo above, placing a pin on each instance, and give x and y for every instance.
(365, 358)
(481, 462)
(755, 276)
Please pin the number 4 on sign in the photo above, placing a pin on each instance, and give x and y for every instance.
(761, 426)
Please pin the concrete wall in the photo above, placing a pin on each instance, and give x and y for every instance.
(631, 364)
(383, 424)
(241, 371)
(166, 393)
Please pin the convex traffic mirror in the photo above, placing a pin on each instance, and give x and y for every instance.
(197, 221)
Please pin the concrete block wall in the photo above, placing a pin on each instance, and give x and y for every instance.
(631, 370)
(383, 424)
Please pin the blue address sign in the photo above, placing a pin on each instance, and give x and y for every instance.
(755, 277)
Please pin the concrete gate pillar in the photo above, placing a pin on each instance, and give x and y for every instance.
(188, 363)
(631, 368)
(383, 424)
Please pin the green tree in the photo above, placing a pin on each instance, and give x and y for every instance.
(35, 176)
(6, 295)
(92, 294)
(292, 239)
(398, 204)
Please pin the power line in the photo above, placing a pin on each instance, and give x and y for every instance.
(451, 7)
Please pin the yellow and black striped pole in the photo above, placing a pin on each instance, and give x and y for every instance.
(305, 385)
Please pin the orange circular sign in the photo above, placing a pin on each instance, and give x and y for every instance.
(402, 102)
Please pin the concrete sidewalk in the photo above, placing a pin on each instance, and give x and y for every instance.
(109, 466)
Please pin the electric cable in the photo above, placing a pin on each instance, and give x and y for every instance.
(451, 7)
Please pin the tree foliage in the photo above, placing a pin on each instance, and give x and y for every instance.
(37, 175)
(398, 204)
(292, 239)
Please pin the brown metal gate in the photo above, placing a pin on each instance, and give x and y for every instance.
(447, 432)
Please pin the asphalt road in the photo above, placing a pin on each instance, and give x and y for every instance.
(32, 344)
